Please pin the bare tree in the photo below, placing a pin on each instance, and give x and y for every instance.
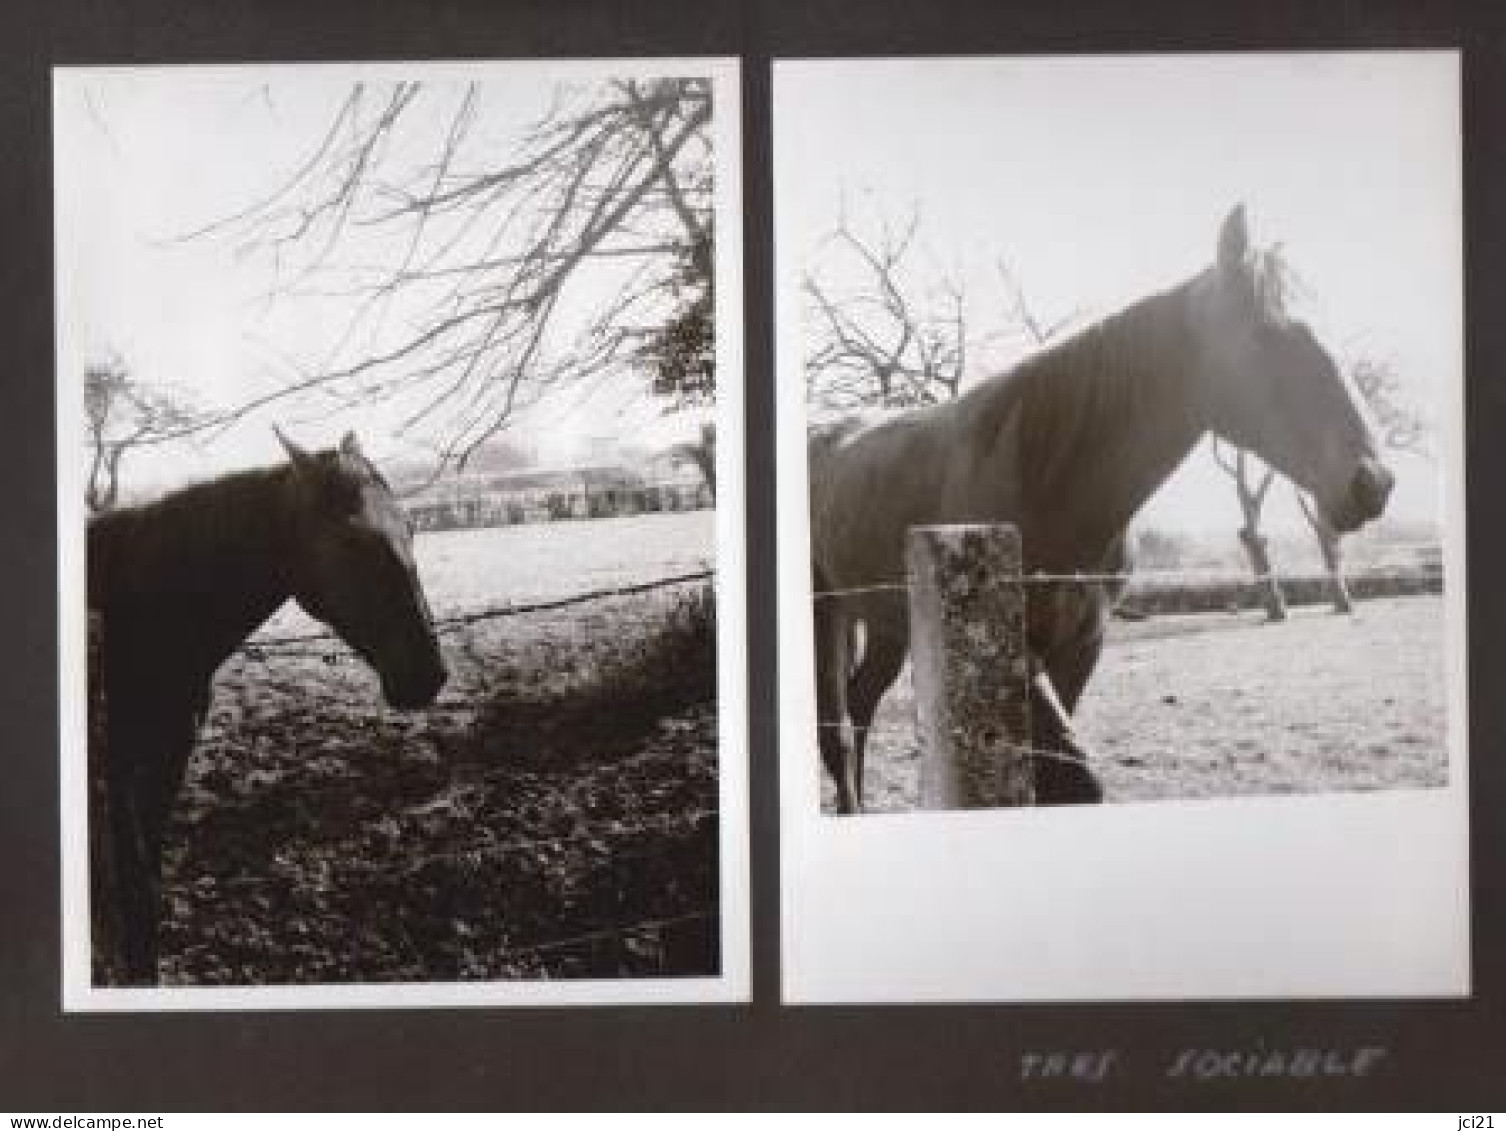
(890, 337)
(702, 453)
(889, 327)
(1331, 545)
(472, 286)
(1403, 427)
(1252, 483)
(121, 414)
(1020, 315)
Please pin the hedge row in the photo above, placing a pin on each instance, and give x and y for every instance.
(1154, 597)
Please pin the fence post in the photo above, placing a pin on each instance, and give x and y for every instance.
(972, 670)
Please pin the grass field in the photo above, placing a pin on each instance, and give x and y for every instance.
(464, 570)
(1221, 705)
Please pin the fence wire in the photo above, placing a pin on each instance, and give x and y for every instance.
(1151, 580)
(286, 646)
(707, 913)
(1156, 593)
(1037, 752)
(608, 830)
(907, 733)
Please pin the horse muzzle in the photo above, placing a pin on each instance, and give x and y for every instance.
(1368, 493)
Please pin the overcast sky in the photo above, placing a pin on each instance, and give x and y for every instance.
(1098, 180)
(146, 155)
(1102, 180)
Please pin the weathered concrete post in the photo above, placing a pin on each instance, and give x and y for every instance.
(972, 670)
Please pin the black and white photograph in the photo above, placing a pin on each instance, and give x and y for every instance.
(1121, 527)
(400, 534)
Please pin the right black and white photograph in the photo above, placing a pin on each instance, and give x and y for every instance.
(1121, 526)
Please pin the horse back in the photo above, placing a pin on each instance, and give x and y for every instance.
(875, 475)
(867, 475)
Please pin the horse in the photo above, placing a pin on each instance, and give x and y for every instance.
(1067, 445)
(174, 587)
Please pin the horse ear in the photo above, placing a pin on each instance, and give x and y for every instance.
(1234, 240)
(299, 457)
(350, 445)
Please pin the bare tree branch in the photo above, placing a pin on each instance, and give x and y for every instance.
(889, 338)
(1402, 425)
(477, 287)
(121, 415)
(1020, 312)
(1251, 488)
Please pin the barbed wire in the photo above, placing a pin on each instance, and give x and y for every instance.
(1039, 752)
(1152, 578)
(1276, 735)
(464, 619)
(285, 646)
(707, 912)
(607, 832)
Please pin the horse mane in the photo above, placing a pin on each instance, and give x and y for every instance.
(165, 544)
(160, 546)
(1077, 400)
(1103, 369)
(1274, 282)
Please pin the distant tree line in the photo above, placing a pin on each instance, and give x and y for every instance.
(557, 506)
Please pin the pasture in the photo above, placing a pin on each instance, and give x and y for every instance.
(1226, 705)
(554, 814)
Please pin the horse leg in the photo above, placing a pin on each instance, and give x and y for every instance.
(137, 858)
(883, 656)
(833, 659)
(105, 929)
(143, 785)
(1062, 774)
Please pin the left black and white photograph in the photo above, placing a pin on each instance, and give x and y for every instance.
(400, 535)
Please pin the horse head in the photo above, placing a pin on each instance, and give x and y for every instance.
(353, 568)
(1274, 389)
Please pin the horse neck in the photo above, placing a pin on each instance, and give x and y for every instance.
(1100, 422)
(200, 569)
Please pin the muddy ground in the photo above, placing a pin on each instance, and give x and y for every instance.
(554, 815)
